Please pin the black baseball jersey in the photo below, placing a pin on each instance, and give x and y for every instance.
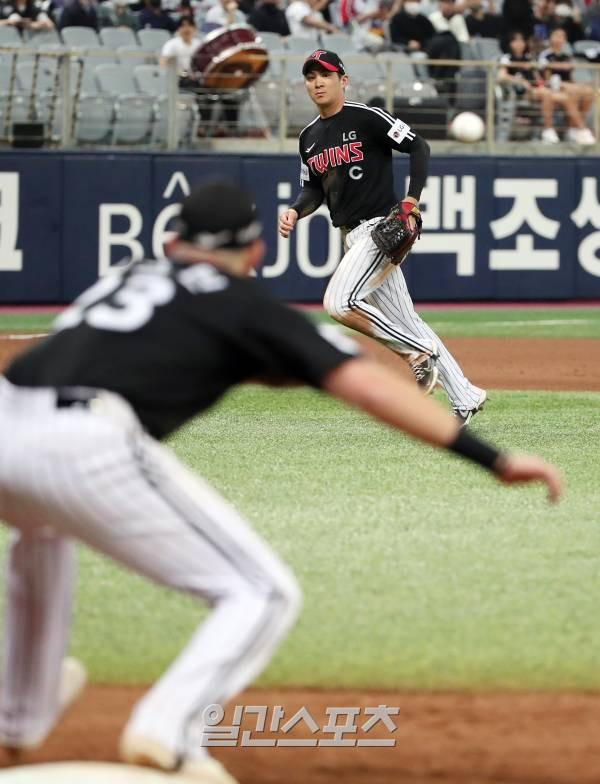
(547, 57)
(172, 338)
(347, 159)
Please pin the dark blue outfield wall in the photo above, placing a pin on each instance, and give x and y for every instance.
(494, 228)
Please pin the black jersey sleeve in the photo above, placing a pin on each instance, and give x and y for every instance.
(391, 132)
(289, 346)
(311, 192)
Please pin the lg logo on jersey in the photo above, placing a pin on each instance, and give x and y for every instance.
(356, 172)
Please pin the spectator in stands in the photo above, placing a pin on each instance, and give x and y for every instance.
(569, 19)
(225, 12)
(182, 46)
(517, 15)
(486, 24)
(528, 83)
(410, 28)
(591, 21)
(153, 15)
(558, 71)
(449, 19)
(369, 17)
(116, 13)
(79, 13)
(305, 19)
(268, 17)
(450, 29)
(25, 15)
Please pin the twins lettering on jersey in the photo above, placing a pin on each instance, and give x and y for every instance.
(350, 152)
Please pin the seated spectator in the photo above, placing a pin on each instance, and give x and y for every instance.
(116, 13)
(368, 17)
(449, 19)
(305, 19)
(591, 21)
(268, 17)
(182, 46)
(529, 84)
(153, 15)
(225, 12)
(79, 13)
(410, 28)
(557, 67)
(25, 15)
(450, 29)
(569, 19)
(486, 24)
(517, 15)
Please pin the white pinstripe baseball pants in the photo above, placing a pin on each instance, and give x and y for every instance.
(93, 474)
(369, 293)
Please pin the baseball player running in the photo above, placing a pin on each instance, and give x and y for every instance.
(81, 415)
(346, 158)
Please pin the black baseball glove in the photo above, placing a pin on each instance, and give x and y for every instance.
(394, 235)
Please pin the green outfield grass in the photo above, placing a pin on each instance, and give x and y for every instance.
(418, 570)
(527, 322)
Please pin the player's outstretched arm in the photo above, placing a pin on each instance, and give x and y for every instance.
(389, 398)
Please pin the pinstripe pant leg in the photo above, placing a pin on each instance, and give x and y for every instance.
(393, 299)
(362, 271)
(38, 616)
(93, 477)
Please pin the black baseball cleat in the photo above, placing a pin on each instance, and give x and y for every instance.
(466, 416)
(425, 371)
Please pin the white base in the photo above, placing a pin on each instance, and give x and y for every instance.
(86, 773)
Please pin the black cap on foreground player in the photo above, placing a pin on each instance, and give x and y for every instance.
(218, 225)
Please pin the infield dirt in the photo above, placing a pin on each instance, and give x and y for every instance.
(441, 737)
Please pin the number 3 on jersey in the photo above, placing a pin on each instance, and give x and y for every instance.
(119, 303)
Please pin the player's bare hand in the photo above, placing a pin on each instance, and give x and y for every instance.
(287, 221)
(514, 469)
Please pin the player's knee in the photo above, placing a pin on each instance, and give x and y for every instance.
(286, 592)
(338, 308)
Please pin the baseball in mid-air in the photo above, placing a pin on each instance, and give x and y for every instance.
(467, 127)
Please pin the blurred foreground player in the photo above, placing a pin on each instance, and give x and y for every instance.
(133, 358)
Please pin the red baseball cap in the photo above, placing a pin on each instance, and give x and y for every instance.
(328, 60)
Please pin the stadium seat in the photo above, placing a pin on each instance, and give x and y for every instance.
(94, 119)
(20, 106)
(115, 79)
(299, 46)
(132, 57)
(41, 39)
(114, 37)
(273, 41)
(6, 64)
(471, 90)
(487, 48)
(587, 48)
(80, 37)
(45, 76)
(9, 36)
(339, 42)
(134, 119)
(187, 116)
(150, 79)
(266, 95)
(83, 80)
(152, 40)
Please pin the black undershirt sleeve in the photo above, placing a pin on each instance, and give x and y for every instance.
(308, 200)
(418, 149)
